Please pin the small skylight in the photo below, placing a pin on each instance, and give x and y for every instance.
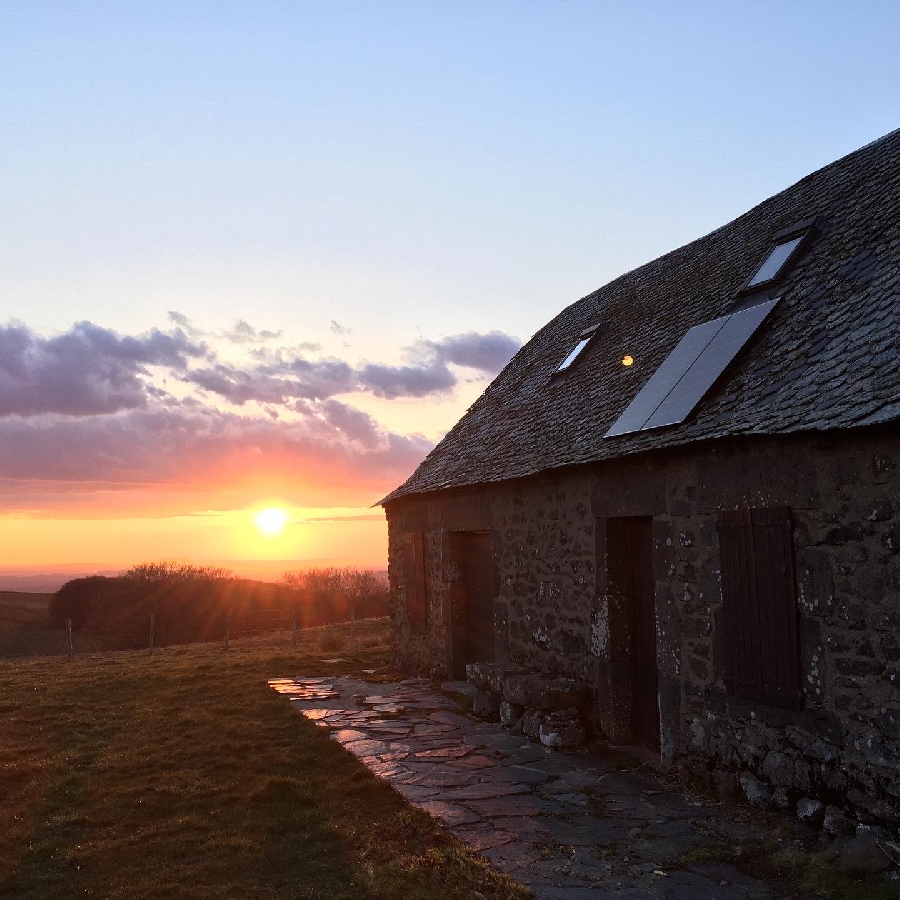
(573, 355)
(774, 262)
(583, 340)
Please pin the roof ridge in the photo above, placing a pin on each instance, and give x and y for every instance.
(802, 372)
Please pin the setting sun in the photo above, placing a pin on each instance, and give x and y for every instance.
(271, 521)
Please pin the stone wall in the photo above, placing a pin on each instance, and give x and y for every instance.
(554, 613)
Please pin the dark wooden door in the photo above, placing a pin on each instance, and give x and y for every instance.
(630, 568)
(761, 615)
(472, 600)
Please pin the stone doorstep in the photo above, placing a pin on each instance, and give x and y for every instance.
(644, 757)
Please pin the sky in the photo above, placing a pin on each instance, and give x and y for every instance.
(265, 255)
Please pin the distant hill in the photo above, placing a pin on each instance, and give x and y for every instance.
(30, 578)
(45, 582)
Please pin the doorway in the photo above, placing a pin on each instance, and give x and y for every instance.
(635, 677)
(472, 600)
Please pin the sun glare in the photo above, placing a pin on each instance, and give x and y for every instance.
(271, 521)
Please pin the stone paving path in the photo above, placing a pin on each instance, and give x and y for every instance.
(567, 826)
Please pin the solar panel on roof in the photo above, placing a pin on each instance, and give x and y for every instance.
(684, 377)
(774, 261)
(711, 363)
(666, 377)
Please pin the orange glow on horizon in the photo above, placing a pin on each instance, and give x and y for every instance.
(356, 536)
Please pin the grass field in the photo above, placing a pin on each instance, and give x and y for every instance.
(181, 775)
(25, 629)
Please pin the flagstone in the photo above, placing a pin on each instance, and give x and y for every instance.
(536, 814)
(449, 813)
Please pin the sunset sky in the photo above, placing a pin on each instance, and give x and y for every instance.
(263, 255)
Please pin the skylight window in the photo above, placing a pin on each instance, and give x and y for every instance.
(775, 262)
(573, 355)
(583, 340)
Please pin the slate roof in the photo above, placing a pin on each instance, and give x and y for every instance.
(828, 357)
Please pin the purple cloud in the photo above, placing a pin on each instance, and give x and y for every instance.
(91, 370)
(177, 446)
(86, 371)
(488, 353)
(391, 382)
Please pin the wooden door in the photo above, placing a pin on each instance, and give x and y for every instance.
(630, 569)
(761, 615)
(472, 600)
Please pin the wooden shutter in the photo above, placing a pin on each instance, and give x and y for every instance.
(762, 641)
(416, 602)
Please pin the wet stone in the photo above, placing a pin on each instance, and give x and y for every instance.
(347, 735)
(448, 718)
(522, 805)
(433, 729)
(416, 792)
(476, 761)
(386, 770)
(505, 742)
(366, 747)
(537, 814)
(449, 813)
(316, 714)
(445, 779)
(485, 790)
(398, 752)
(527, 754)
(484, 837)
(515, 774)
(442, 753)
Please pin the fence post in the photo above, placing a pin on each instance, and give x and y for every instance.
(294, 627)
(227, 629)
(152, 629)
(70, 648)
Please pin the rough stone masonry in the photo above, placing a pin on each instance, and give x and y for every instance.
(555, 615)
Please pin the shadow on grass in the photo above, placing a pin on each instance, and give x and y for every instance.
(183, 775)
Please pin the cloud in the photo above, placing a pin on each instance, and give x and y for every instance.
(243, 332)
(88, 370)
(276, 382)
(488, 353)
(353, 423)
(429, 371)
(90, 418)
(392, 382)
(185, 324)
(277, 378)
(91, 370)
(204, 450)
(339, 329)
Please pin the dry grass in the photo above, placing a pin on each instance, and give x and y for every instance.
(25, 629)
(182, 775)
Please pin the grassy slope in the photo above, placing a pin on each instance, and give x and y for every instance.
(25, 628)
(182, 775)
(20, 608)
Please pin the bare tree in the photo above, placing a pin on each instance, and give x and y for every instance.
(360, 587)
(169, 572)
(325, 591)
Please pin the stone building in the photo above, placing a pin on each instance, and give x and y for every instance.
(683, 496)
